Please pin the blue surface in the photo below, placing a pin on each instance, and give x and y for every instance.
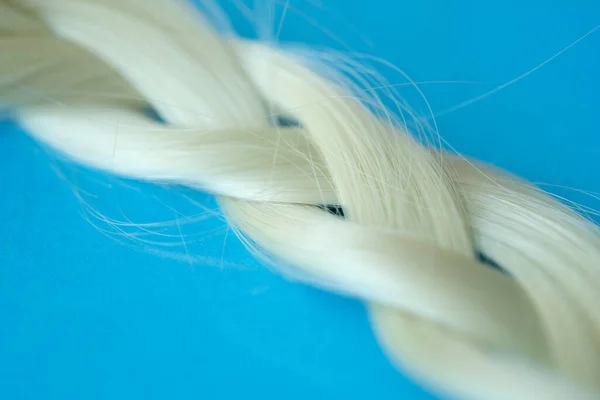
(87, 312)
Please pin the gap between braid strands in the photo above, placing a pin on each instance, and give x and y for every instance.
(414, 217)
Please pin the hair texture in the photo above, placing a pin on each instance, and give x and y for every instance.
(79, 75)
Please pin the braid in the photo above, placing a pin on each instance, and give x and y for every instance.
(409, 220)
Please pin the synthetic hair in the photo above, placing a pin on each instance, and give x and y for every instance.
(79, 75)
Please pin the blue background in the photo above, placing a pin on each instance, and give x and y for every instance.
(91, 308)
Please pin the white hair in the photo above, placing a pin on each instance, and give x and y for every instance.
(78, 75)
